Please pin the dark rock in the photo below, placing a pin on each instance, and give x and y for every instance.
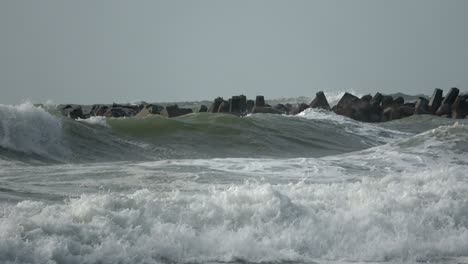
(451, 96)
(260, 101)
(444, 110)
(282, 108)
(99, 110)
(377, 99)
(203, 109)
(296, 109)
(367, 112)
(320, 101)
(353, 107)
(235, 105)
(93, 109)
(460, 107)
(250, 105)
(389, 114)
(72, 111)
(387, 101)
(174, 111)
(406, 97)
(397, 112)
(135, 108)
(224, 107)
(435, 101)
(243, 103)
(422, 106)
(215, 105)
(142, 106)
(406, 111)
(366, 98)
(344, 106)
(347, 100)
(265, 110)
(119, 112)
(150, 109)
(154, 109)
(399, 101)
(86, 110)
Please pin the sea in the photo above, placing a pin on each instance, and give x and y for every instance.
(216, 188)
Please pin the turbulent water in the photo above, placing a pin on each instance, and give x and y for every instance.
(213, 188)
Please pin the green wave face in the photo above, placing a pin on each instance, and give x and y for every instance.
(218, 135)
(33, 135)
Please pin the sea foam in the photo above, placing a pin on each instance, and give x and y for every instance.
(405, 217)
(382, 134)
(95, 120)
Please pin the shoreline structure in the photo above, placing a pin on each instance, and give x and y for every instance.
(368, 108)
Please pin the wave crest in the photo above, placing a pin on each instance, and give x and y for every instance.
(29, 129)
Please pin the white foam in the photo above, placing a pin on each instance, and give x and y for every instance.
(437, 147)
(352, 126)
(403, 217)
(95, 120)
(31, 129)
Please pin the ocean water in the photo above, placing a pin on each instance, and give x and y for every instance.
(213, 188)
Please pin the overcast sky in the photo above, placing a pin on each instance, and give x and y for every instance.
(92, 51)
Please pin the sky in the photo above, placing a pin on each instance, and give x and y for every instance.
(103, 51)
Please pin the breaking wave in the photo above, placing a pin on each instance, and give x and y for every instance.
(32, 134)
(32, 130)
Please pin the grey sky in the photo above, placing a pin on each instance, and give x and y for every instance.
(91, 51)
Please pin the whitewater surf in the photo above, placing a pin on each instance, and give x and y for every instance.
(216, 188)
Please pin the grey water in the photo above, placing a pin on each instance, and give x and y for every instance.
(214, 188)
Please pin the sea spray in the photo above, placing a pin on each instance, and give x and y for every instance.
(31, 129)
